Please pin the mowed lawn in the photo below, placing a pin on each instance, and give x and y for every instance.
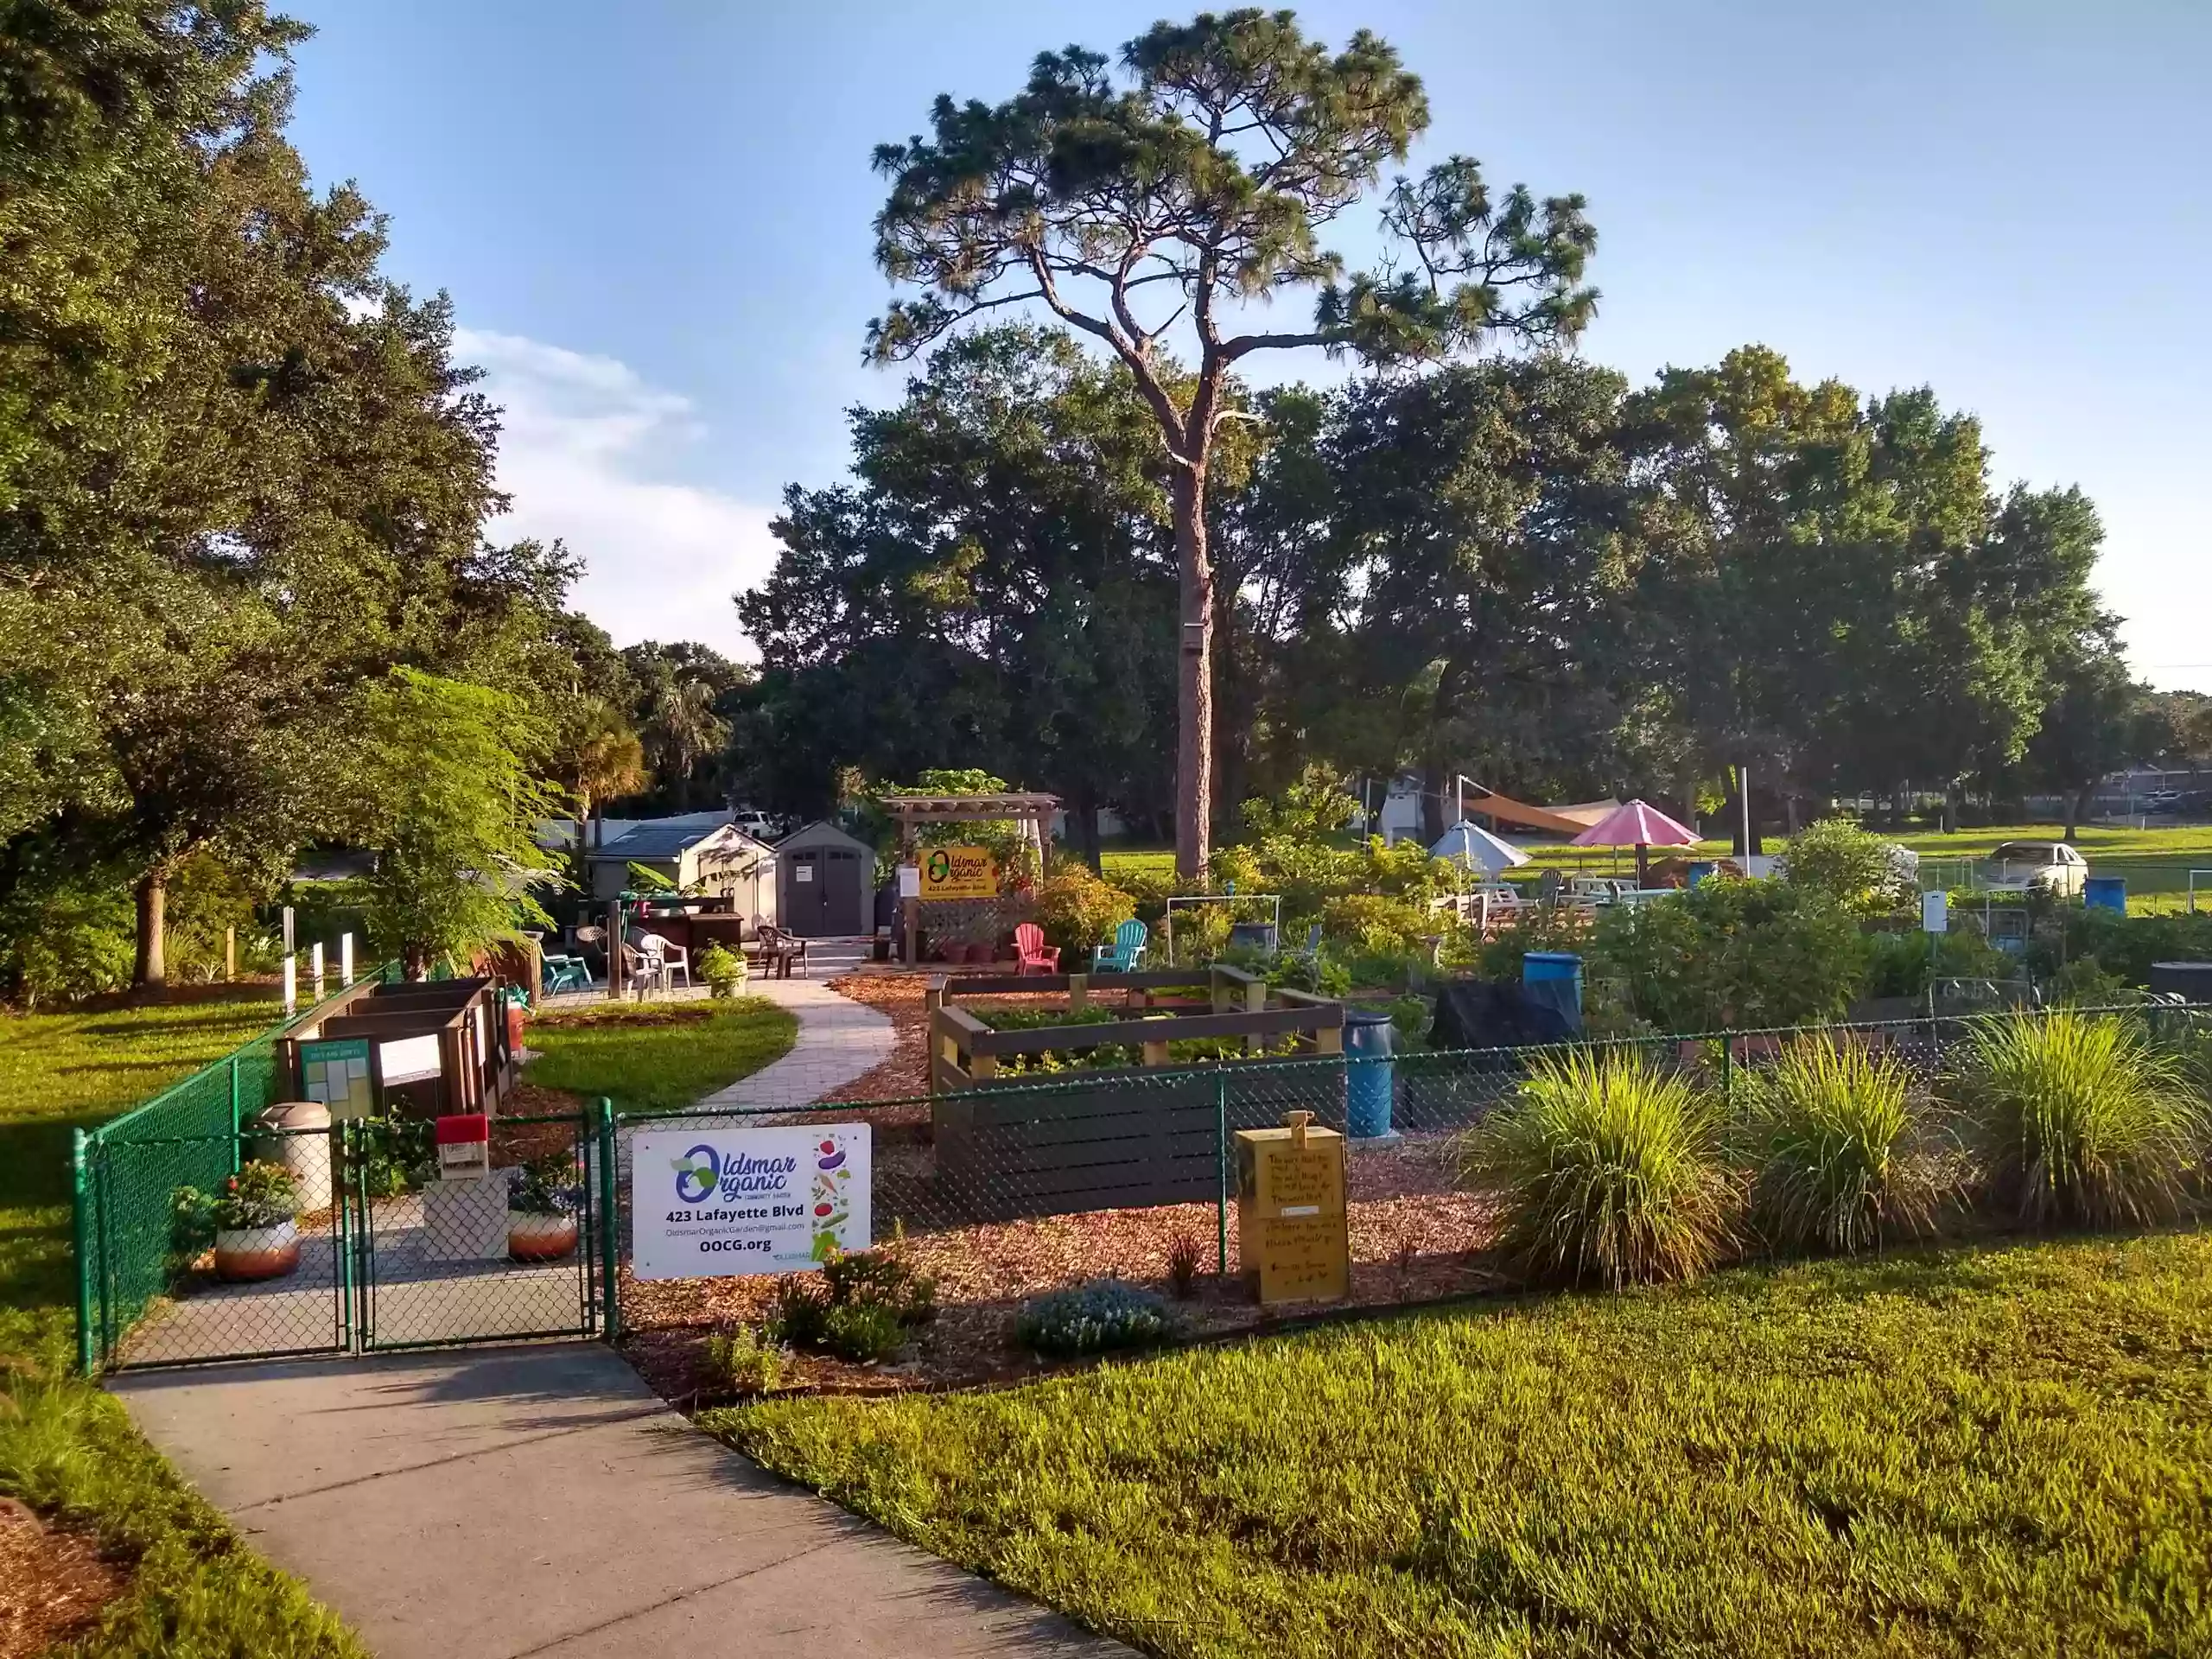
(658, 1056)
(2004, 1451)
(66, 1446)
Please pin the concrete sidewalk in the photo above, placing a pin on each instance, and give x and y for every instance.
(541, 1501)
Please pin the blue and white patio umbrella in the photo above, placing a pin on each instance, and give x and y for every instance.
(1470, 845)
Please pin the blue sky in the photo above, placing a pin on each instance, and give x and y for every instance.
(653, 219)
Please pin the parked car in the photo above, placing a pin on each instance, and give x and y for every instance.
(2051, 866)
(2162, 800)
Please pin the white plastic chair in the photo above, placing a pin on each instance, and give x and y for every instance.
(670, 959)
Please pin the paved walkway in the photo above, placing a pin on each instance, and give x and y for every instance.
(541, 1501)
(838, 1039)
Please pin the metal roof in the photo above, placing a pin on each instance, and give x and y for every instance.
(663, 839)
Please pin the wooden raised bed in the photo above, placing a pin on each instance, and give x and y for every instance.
(1009, 1145)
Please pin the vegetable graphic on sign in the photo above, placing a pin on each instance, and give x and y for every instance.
(831, 1175)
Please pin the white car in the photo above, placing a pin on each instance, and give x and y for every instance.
(2051, 866)
(759, 825)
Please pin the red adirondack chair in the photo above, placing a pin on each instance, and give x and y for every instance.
(1030, 947)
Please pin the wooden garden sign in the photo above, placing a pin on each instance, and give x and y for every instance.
(959, 872)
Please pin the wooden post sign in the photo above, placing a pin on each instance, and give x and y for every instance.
(1292, 1233)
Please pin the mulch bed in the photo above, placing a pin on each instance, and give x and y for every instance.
(1414, 1239)
(53, 1583)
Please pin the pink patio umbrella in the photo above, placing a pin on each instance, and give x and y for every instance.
(1640, 825)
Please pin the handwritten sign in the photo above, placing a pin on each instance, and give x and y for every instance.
(959, 872)
(1291, 1228)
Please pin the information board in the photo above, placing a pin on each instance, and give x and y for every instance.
(335, 1071)
(712, 1203)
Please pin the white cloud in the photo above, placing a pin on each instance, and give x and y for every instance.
(578, 439)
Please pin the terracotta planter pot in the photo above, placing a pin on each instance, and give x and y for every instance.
(539, 1238)
(249, 1253)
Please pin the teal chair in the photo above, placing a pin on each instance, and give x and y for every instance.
(1124, 953)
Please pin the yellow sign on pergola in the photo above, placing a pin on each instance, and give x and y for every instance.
(959, 872)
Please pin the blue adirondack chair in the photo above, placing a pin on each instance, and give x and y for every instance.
(1124, 953)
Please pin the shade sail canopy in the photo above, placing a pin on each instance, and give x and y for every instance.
(1635, 824)
(1472, 845)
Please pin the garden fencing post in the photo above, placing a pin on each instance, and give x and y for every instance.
(1728, 1069)
(610, 1252)
(1221, 1172)
(236, 1125)
(81, 1236)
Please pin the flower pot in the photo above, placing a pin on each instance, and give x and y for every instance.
(533, 1237)
(249, 1253)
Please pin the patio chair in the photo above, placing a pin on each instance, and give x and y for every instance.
(1125, 953)
(559, 973)
(1030, 950)
(779, 950)
(674, 958)
(642, 970)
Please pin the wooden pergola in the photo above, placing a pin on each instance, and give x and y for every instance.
(913, 811)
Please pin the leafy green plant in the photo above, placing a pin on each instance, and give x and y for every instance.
(2080, 1119)
(192, 1226)
(643, 878)
(1077, 910)
(1731, 954)
(398, 1154)
(859, 1306)
(1372, 924)
(1609, 1171)
(1901, 964)
(1093, 1318)
(862, 1332)
(1839, 1163)
(723, 969)
(1854, 867)
(259, 1195)
(746, 1361)
(551, 1186)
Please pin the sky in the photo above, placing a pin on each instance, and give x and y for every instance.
(654, 219)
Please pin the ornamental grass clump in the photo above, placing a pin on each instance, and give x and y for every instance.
(2079, 1120)
(1609, 1171)
(1839, 1160)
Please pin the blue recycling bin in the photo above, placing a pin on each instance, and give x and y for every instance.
(1550, 967)
(1701, 869)
(1369, 1076)
(2105, 892)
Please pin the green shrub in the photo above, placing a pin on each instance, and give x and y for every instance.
(1855, 868)
(397, 1153)
(1371, 924)
(192, 1226)
(1078, 910)
(745, 1362)
(1729, 954)
(2079, 1121)
(550, 1186)
(862, 1332)
(723, 969)
(1839, 1161)
(1609, 1173)
(1093, 1318)
(65, 938)
(1901, 964)
(859, 1306)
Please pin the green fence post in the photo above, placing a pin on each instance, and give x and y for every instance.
(1221, 1172)
(610, 1253)
(235, 1123)
(82, 1233)
(1728, 1067)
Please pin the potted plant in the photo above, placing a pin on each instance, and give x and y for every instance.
(724, 971)
(257, 1234)
(542, 1198)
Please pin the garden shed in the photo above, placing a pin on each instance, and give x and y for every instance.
(825, 882)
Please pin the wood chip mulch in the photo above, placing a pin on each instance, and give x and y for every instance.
(53, 1583)
(1414, 1239)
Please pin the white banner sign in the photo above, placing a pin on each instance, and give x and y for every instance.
(708, 1203)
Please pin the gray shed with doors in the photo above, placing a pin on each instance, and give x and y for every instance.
(825, 880)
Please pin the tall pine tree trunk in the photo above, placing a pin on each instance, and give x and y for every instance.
(1194, 680)
(150, 970)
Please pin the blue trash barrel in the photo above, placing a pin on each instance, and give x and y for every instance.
(1539, 966)
(2105, 892)
(1369, 1076)
(1699, 870)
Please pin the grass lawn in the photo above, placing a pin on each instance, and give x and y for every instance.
(1996, 1450)
(658, 1056)
(66, 1446)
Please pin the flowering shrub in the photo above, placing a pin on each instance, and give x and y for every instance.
(551, 1185)
(259, 1195)
(1092, 1319)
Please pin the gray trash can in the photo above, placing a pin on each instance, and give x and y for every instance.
(305, 1152)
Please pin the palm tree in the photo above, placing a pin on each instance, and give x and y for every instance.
(681, 726)
(604, 759)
